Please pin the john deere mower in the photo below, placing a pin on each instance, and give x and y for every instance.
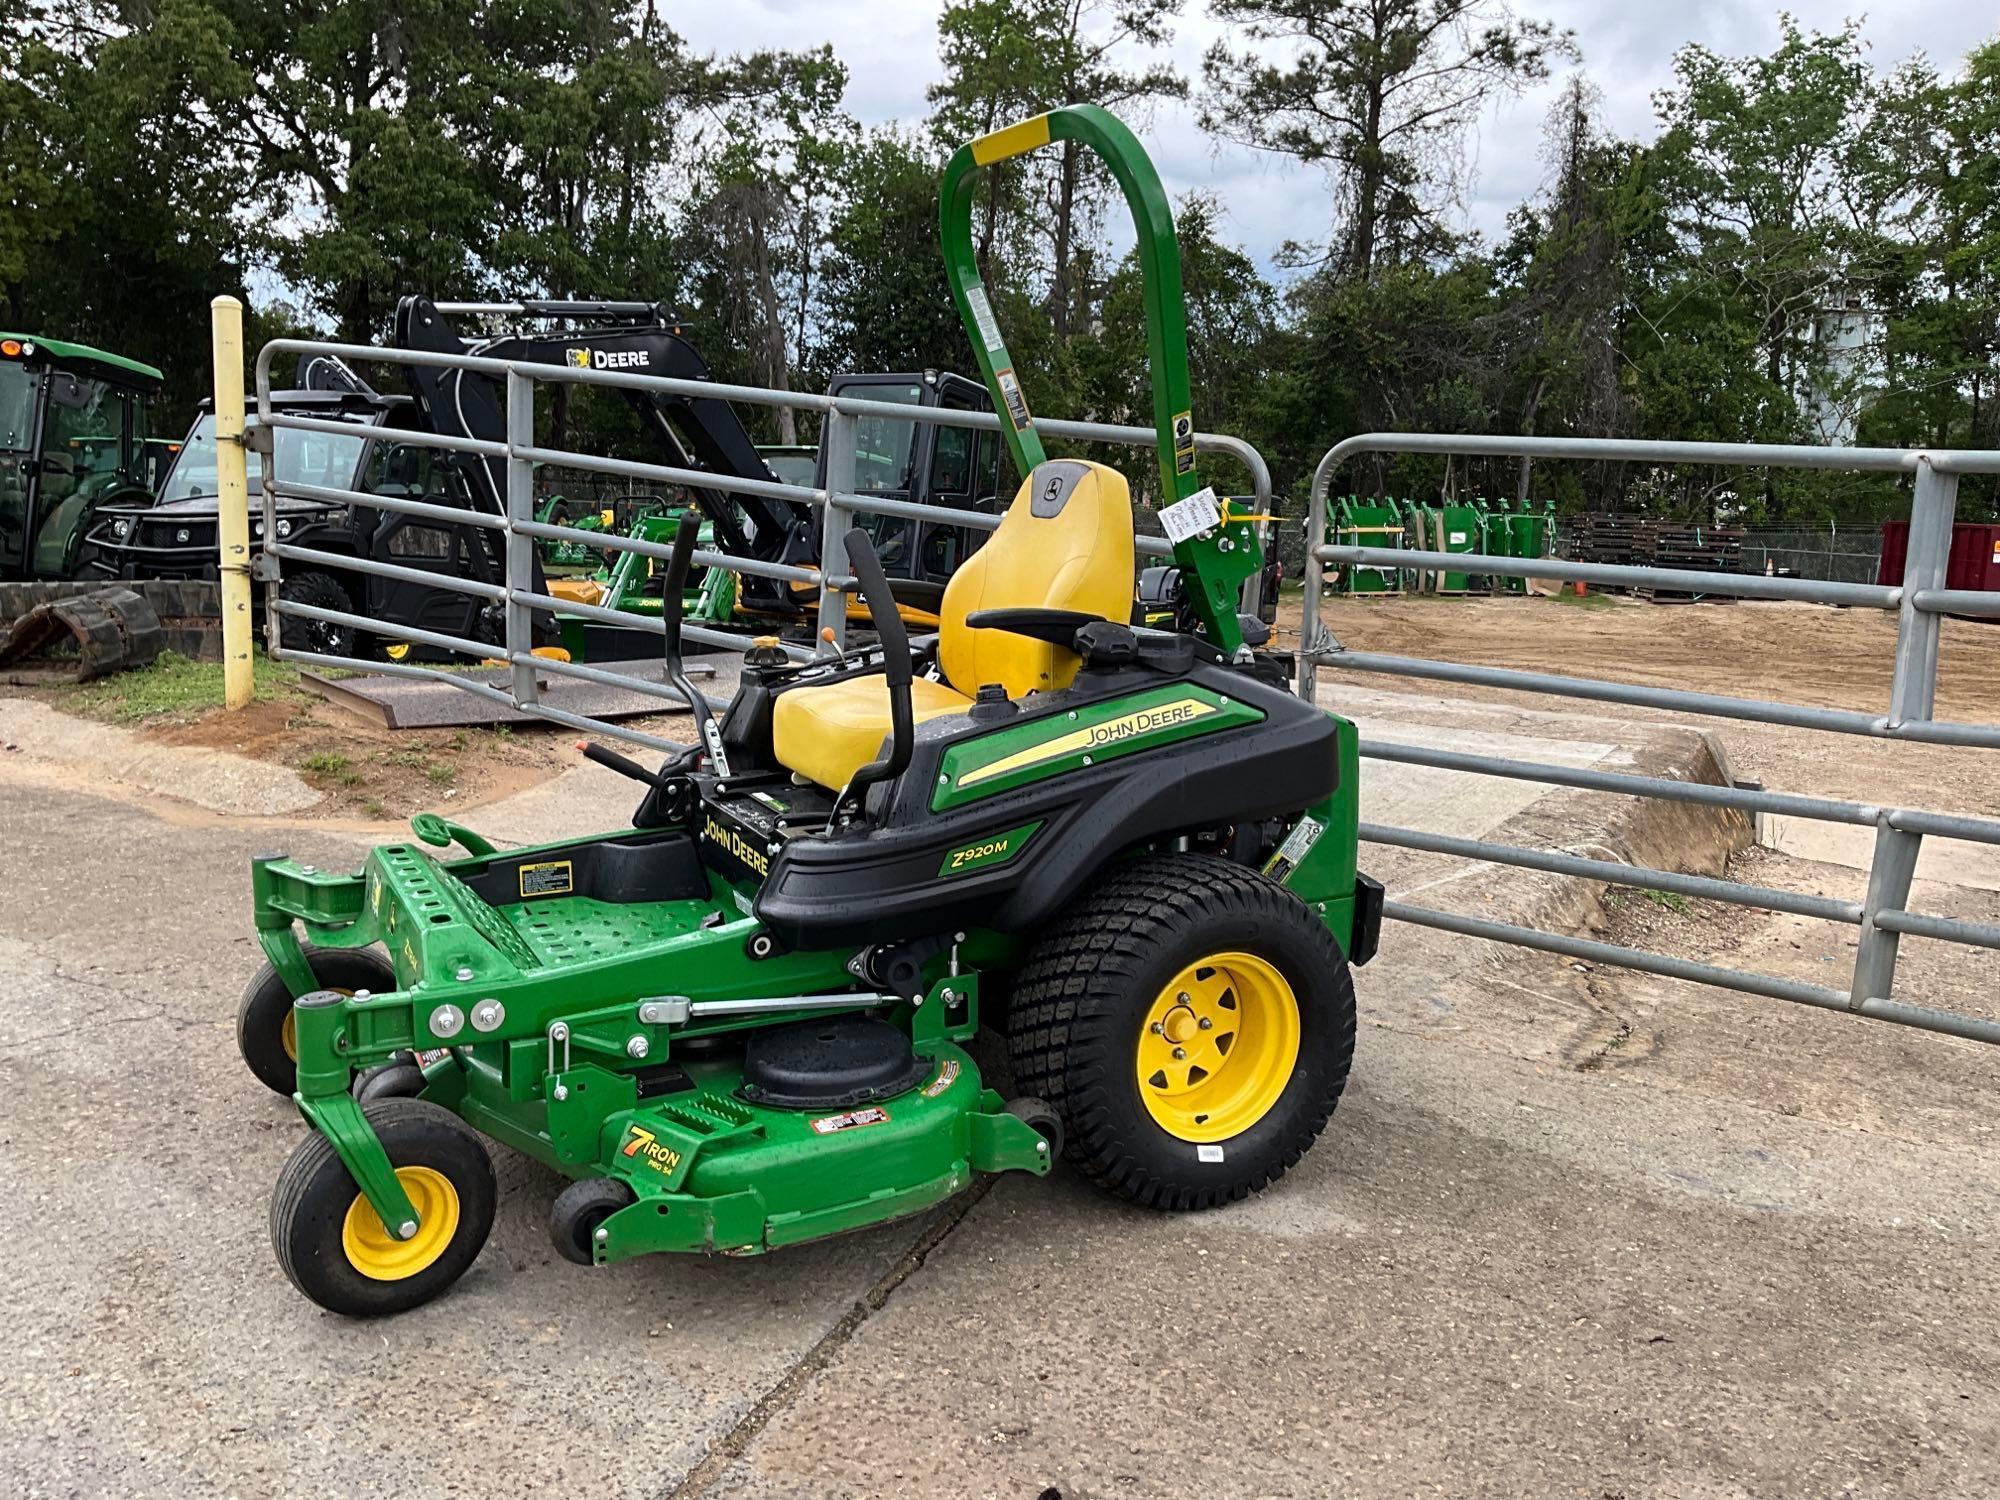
(741, 1023)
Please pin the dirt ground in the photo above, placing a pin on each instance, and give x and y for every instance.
(1793, 653)
(365, 771)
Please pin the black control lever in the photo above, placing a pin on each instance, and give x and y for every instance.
(623, 765)
(671, 588)
(896, 665)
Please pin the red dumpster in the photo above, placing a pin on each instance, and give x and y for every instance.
(1975, 555)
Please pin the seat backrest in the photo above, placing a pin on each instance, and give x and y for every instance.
(1065, 543)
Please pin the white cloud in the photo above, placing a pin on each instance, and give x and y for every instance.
(890, 48)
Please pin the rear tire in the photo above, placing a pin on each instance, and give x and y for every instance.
(264, 1014)
(1225, 964)
(332, 1244)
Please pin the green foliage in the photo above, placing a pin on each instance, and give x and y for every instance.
(1809, 250)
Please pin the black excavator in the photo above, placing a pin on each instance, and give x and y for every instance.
(898, 459)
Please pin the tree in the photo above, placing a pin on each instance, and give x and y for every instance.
(1378, 92)
(1008, 59)
(886, 303)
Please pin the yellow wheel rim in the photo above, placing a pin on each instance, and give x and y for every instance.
(375, 1255)
(1218, 1047)
(288, 1030)
(396, 651)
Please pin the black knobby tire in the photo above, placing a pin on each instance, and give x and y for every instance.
(315, 1194)
(267, 1005)
(1080, 1005)
(321, 591)
(579, 1209)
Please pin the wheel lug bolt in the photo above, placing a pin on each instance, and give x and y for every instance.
(1180, 1054)
(1183, 998)
(1158, 1029)
(1206, 1024)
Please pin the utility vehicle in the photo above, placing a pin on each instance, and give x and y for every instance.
(173, 534)
(740, 1023)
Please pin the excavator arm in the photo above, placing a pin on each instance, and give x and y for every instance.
(694, 432)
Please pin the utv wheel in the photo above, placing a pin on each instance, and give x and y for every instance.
(321, 591)
(264, 1025)
(579, 1209)
(1192, 1023)
(333, 1245)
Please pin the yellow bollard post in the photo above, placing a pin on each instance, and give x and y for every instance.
(232, 499)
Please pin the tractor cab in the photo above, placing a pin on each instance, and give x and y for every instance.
(72, 439)
(955, 468)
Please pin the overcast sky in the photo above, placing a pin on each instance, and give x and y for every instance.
(890, 48)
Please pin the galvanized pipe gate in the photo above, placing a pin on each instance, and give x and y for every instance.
(519, 454)
(1883, 917)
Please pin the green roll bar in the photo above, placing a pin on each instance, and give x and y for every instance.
(1217, 561)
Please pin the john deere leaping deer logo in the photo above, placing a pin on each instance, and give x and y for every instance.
(578, 357)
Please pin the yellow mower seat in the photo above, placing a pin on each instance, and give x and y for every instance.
(828, 733)
(1065, 543)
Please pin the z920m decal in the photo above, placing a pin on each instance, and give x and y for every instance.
(984, 853)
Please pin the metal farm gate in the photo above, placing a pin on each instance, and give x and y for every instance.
(1883, 918)
(520, 532)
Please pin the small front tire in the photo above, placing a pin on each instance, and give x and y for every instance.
(264, 1027)
(334, 1247)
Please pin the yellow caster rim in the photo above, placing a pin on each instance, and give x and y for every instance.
(288, 1030)
(1218, 1047)
(372, 1252)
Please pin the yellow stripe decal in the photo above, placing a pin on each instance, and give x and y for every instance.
(1145, 721)
(1011, 141)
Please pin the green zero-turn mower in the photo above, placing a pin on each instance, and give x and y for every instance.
(741, 1023)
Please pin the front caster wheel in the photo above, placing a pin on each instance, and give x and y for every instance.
(264, 1025)
(334, 1246)
(579, 1209)
(1192, 1023)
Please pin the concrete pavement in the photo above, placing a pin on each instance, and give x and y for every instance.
(1523, 1260)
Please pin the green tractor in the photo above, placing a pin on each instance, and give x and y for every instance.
(72, 438)
(741, 1023)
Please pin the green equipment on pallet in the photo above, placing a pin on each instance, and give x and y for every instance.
(1519, 529)
(741, 1023)
(1444, 528)
(1367, 523)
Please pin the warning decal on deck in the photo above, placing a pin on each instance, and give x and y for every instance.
(852, 1120)
(554, 877)
(946, 1076)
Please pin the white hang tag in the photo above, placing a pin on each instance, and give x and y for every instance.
(1192, 516)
